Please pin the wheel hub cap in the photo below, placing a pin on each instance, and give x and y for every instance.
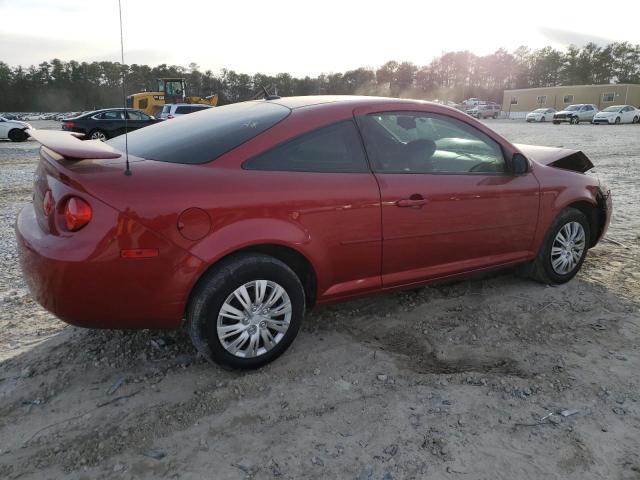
(254, 318)
(567, 248)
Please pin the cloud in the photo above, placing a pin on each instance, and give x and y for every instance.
(567, 37)
(26, 49)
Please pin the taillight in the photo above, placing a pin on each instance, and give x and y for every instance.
(169, 117)
(69, 124)
(48, 203)
(77, 213)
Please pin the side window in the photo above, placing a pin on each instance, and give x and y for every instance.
(183, 110)
(410, 142)
(113, 115)
(133, 115)
(336, 148)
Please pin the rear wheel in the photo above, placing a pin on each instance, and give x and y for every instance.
(17, 135)
(246, 311)
(555, 122)
(564, 248)
(636, 119)
(98, 134)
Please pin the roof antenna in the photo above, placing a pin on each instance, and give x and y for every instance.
(127, 170)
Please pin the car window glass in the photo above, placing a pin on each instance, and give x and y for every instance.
(203, 138)
(113, 115)
(133, 115)
(335, 148)
(183, 110)
(409, 142)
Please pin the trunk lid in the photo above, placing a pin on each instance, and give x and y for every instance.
(564, 158)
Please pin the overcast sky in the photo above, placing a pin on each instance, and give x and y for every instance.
(303, 37)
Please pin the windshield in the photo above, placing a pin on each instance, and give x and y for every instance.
(202, 136)
(540, 110)
(573, 108)
(615, 108)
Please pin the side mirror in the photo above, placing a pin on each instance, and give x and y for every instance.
(519, 164)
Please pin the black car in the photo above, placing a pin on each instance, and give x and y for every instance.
(107, 123)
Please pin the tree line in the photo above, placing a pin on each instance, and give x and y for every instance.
(71, 86)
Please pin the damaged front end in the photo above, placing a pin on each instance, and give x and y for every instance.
(564, 158)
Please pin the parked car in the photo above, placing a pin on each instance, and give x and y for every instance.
(242, 216)
(488, 110)
(173, 110)
(617, 114)
(574, 114)
(13, 130)
(541, 115)
(107, 123)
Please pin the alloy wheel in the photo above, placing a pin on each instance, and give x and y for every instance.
(254, 318)
(567, 248)
(98, 136)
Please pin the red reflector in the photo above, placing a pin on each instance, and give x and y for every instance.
(48, 203)
(169, 117)
(139, 253)
(77, 213)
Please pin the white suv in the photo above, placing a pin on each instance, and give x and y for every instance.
(172, 110)
(488, 110)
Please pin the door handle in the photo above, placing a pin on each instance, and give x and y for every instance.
(414, 200)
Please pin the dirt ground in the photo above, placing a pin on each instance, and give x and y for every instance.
(458, 381)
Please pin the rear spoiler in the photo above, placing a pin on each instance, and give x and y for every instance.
(70, 146)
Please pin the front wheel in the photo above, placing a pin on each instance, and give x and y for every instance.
(564, 248)
(246, 311)
(617, 120)
(17, 135)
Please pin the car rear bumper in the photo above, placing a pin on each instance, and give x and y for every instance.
(83, 280)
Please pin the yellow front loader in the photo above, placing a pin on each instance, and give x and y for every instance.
(170, 90)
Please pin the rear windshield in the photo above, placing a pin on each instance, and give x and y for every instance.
(204, 136)
(166, 109)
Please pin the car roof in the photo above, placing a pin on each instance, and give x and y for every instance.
(354, 100)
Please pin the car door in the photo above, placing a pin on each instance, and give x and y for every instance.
(449, 202)
(137, 120)
(111, 122)
(627, 115)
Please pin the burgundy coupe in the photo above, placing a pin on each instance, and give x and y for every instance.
(238, 218)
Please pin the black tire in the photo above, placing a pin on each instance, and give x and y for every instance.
(542, 119)
(218, 284)
(617, 120)
(636, 119)
(541, 268)
(555, 122)
(97, 134)
(17, 135)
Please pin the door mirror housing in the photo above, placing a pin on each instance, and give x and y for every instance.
(519, 164)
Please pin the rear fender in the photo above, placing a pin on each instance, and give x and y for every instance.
(263, 231)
